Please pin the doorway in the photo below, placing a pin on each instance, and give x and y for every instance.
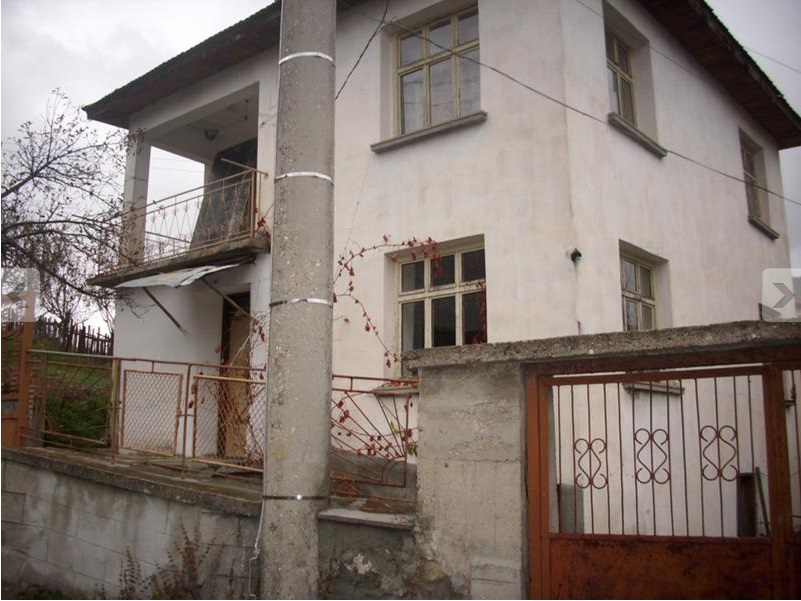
(234, 406)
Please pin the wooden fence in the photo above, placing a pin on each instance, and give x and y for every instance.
(73, 338)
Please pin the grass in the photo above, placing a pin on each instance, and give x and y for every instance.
(77, 393)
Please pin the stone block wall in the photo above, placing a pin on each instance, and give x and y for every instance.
(73, 534)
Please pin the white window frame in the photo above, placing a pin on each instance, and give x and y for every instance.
(429, 293)
(637, 295)
(432, 57)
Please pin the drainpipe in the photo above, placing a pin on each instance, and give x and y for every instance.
(296, 477)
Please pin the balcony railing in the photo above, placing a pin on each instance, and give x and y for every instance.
(220, 212)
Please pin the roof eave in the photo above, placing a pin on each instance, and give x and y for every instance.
(691, 22)
(239, 42)
(694, 24)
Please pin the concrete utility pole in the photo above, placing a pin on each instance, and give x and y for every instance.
(296, 478)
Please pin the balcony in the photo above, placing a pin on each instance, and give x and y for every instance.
(213, 223)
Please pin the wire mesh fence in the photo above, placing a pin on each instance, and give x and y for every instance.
(229, 412)
(150, 411)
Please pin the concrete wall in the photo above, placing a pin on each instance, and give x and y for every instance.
(374, 556)
(72, 534)
(471, 508)
(143, 330)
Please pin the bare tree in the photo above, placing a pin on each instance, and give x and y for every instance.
(61, 205)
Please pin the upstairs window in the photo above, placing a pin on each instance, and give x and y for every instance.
(620, 78)
(438, 74)
(639, 298)
(443, 300)
(755, 186)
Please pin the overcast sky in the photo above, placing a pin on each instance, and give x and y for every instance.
(91, 47)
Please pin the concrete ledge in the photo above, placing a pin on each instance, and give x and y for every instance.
(635, 134)
(395, 521)
(220, 497)
(763, 227)
(225, 251)
(428, 132)
(675, 342)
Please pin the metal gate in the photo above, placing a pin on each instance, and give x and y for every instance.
(665, 483)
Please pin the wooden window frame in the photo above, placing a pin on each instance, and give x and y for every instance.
(429, 293)
(754, 180)
(637, 296)
(621, 73)
(426, 61)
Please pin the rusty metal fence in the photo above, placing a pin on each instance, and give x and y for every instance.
(373, 434)
(641, 454)
(16, 337)
(230, 412)
(696, 470)
(149, 409)
(220, 211)
(70, 394)
(791, 385)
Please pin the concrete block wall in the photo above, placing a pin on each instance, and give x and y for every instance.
(72, 534)
(470, 496)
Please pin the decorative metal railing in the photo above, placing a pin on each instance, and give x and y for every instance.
(219, 212)
(373, 434)
(678, 453)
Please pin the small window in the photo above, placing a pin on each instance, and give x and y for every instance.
(638, 292)
(755, 185)
(620, 78)
(443, 300)
(438, 72)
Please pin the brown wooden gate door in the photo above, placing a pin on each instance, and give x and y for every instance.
(665, 484)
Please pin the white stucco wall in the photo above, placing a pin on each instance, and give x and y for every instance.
(143, 331)
(535, 180)
(695, 219)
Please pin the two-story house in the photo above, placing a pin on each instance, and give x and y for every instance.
(584, 165)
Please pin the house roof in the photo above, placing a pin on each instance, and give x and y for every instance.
(231, 46)
(691, 22)
(699, 30)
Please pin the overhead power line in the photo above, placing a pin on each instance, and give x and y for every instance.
(364, 50)
(775, 60)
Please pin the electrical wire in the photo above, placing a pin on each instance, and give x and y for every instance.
(364, 50)
(652, 48)
(394, 22)
(256, 552)
(775, 60)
